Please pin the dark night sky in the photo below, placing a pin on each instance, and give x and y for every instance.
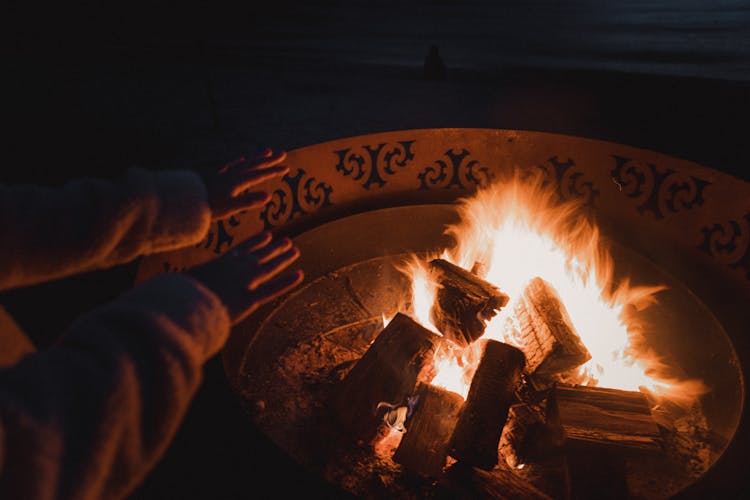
(67, 63)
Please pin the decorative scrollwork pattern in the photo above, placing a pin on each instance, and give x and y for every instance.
(455, 172)
(168, 267)
(377, 161)
(567, 181)
(660, 191)
(298, 195)
(729, 243)
(219, 235)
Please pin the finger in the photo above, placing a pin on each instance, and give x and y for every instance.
(254, 243)
(273, 250)
(246, 201)
(253, 177)
(269, 161)
(232, 164)
(274, 266)
(267, 293)
(266, 153)
(277, 287)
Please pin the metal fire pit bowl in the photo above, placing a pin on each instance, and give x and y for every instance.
(357, 206)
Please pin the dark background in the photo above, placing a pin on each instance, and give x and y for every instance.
(91, 90)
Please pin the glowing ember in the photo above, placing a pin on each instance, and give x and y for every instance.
(515, 231)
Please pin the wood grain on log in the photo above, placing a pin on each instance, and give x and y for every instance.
(524, 434)
(424, 446)
(548, 338)
(594, 418)
(464, 302)
(387, 372)
(476, 437)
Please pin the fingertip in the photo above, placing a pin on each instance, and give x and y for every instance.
(294, 278)
(277, 158)
(279, 170)
(259, 240)
(265, 235)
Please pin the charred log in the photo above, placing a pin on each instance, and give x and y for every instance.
(463, 482)
(548, 339)
(592, 418)
(598, 429)
(386, 373)
(525, 436)
(464, 302)
(424, 446)
(491, 393)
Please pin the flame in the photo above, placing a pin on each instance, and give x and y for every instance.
(423, 291)
(516, 230)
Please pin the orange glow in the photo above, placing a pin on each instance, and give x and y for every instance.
(516, 230)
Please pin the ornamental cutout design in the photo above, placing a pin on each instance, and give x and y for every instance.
(297, 196)
(729, 243)
(376, 159)
(168, 267)
(219, 235)
(568, 183)
(455, 173)
(660, 191)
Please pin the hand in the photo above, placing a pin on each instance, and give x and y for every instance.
(228, 187)
(248, 276)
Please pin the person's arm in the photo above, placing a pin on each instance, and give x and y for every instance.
(48, 233)
(88, 418)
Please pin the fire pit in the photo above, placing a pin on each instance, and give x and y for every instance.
(558, 301)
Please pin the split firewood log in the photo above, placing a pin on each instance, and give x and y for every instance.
(547, 336)
(491, 393)
(424, 446)
(464, 302)
(387, 373)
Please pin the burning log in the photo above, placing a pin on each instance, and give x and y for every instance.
(598, 429)
(525, 434)
(462, 482)
(424, 446)
(599, 418)
(387, 372)
(548, 339)
(492, 391)
(464, 302)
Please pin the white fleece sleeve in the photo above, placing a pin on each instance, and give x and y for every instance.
(48, 233)
(89, 417)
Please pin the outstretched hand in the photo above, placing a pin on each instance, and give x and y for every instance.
(250, 274)
(229, 187)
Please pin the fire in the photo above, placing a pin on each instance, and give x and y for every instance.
(514, 231)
